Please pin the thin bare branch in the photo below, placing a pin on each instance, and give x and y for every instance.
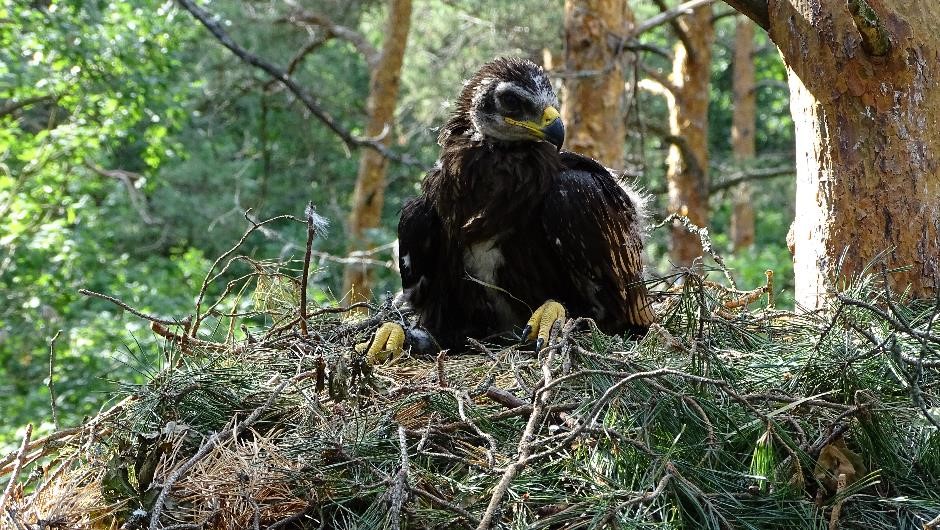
(677, 28)
(308, 100)
(209, 274)
(49, 383)
(736, 179)
(540, 402)
(129, 179)
(11, 106)
(669, 16)
(332, 29)
(131, 310)
(308, 48)
(311, 216)
(20, 457)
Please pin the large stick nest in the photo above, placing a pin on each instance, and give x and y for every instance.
(728, 414)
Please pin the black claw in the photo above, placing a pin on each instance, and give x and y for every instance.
(538, 344)
(525, 333)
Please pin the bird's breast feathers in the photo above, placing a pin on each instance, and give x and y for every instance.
(483, 259)
(482, 263)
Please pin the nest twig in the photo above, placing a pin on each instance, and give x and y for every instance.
(285, 425)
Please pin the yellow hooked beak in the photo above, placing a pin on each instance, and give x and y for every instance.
(550, 127)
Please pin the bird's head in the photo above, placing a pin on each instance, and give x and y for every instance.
(512, 100)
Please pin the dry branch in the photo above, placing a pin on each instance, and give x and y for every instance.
(197, 319)
(11, 106)
(50, 384)
(129, 179)
(673, 22)
(131, 310)
(234, 431)
(332, 29)
(309, 101)
(311, 216)
(668, 16)
(524, 447)
(280, 428)
(17, 464)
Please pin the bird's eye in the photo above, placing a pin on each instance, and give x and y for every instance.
(511, 102)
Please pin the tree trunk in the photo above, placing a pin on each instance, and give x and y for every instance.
(865, 98)
(369, 194)
(742, 131)
(687, 173)
(594, 93)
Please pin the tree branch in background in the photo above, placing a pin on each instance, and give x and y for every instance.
(308, 48)
(20, 457)
(753, 174)
(657, 83)
(677, 28)
(305, 97)
(738, 178)
(331, 29)
(756, 10)
(11, 106)
(734, 179)
(669, 16)
(637, 46)
(682, 145)
(299, 57)
(724, 14)
(775, 84)
(129, 179)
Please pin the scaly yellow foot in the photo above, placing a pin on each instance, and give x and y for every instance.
(540, 325)
(386, 344)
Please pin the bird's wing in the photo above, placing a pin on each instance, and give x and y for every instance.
(420, 235)
(594, 228)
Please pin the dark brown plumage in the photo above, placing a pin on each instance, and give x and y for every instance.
(506, 221)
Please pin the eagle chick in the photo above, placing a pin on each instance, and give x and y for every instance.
(507, 222)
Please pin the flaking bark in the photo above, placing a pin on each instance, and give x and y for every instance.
(594, 92)
(868, 148)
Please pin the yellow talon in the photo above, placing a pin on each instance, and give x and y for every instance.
(388, 342)
(540, 324)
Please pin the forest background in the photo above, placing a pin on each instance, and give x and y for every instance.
(132, 144)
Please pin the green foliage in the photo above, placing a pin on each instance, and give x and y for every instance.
(199, 138)
(715, 419)
(763, 461)
(100, 80)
